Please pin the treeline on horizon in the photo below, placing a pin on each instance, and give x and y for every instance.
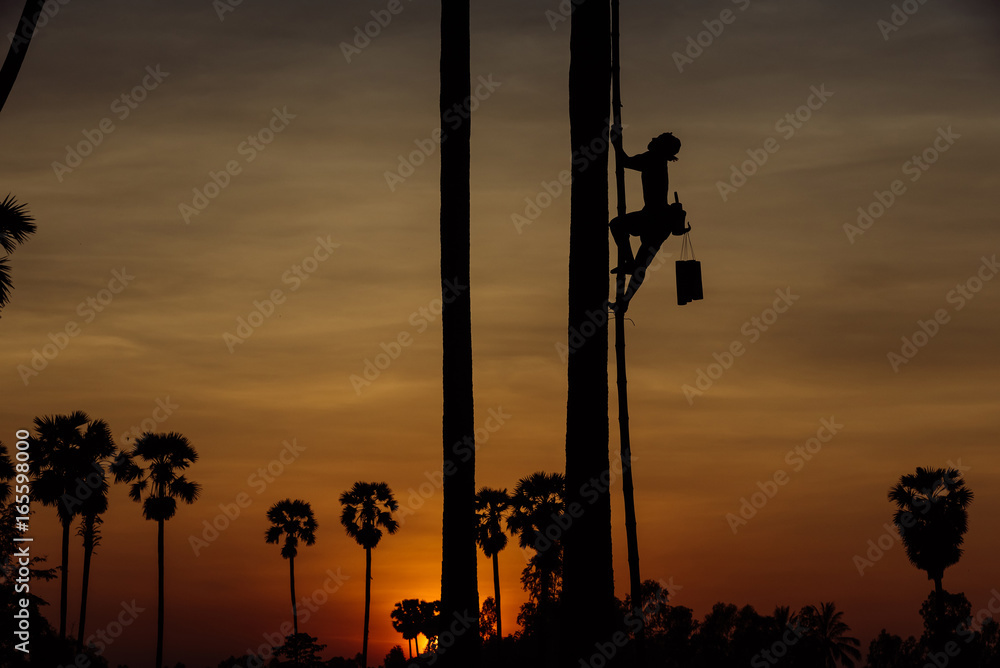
(74, 461)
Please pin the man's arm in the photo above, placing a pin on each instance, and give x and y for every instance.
(635, 162)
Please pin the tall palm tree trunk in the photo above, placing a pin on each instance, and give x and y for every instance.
(88, 551)
(18, 48)
(368, 603)
(459, 585)
(291, 578)
(64, 585)
(159, 591)
(496, 593)
(628, 490)
(588, 576)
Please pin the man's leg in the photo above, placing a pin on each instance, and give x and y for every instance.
(622, 229)
(647, 252)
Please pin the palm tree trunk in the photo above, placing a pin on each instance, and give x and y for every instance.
(64, 585)
(368, 603)
(159, 587)
(628, 490)
(459, 583)
(588, 576)
(496, 593)
(291, 578)
(18, 49)
(88, 550)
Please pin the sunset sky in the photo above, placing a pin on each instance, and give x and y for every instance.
(330, 204)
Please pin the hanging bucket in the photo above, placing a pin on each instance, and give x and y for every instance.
(688, 274)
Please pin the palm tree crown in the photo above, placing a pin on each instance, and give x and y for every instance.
(294, 520)
(164, 455)
(932, 518)
(827, 634)
(368, 508)
(15, 226)
(492, 507)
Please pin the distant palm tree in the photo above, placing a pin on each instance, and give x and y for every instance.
(537, 502)
(158, 484)
(90, 531)
(15, 226)
(406, 619)
(368, 508)
(63, 451)
(294, 520)
(932, 518)
(827, 634)
(492, 509)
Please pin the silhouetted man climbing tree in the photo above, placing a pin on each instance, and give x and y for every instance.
(658, 218)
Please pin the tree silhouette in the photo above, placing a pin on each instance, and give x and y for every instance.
(302, 649)
(395, 658)
(932, 518)
(536, 505)
(459, 582)
(588, 578)
(826, 636)
(294, 520)
(152, 467)
(406, 619)
(368, 508)
(492, 509)
(90, 531)
(92, 507)
(64, 450)
(15, 226)
(488, 619)
(430, 622)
